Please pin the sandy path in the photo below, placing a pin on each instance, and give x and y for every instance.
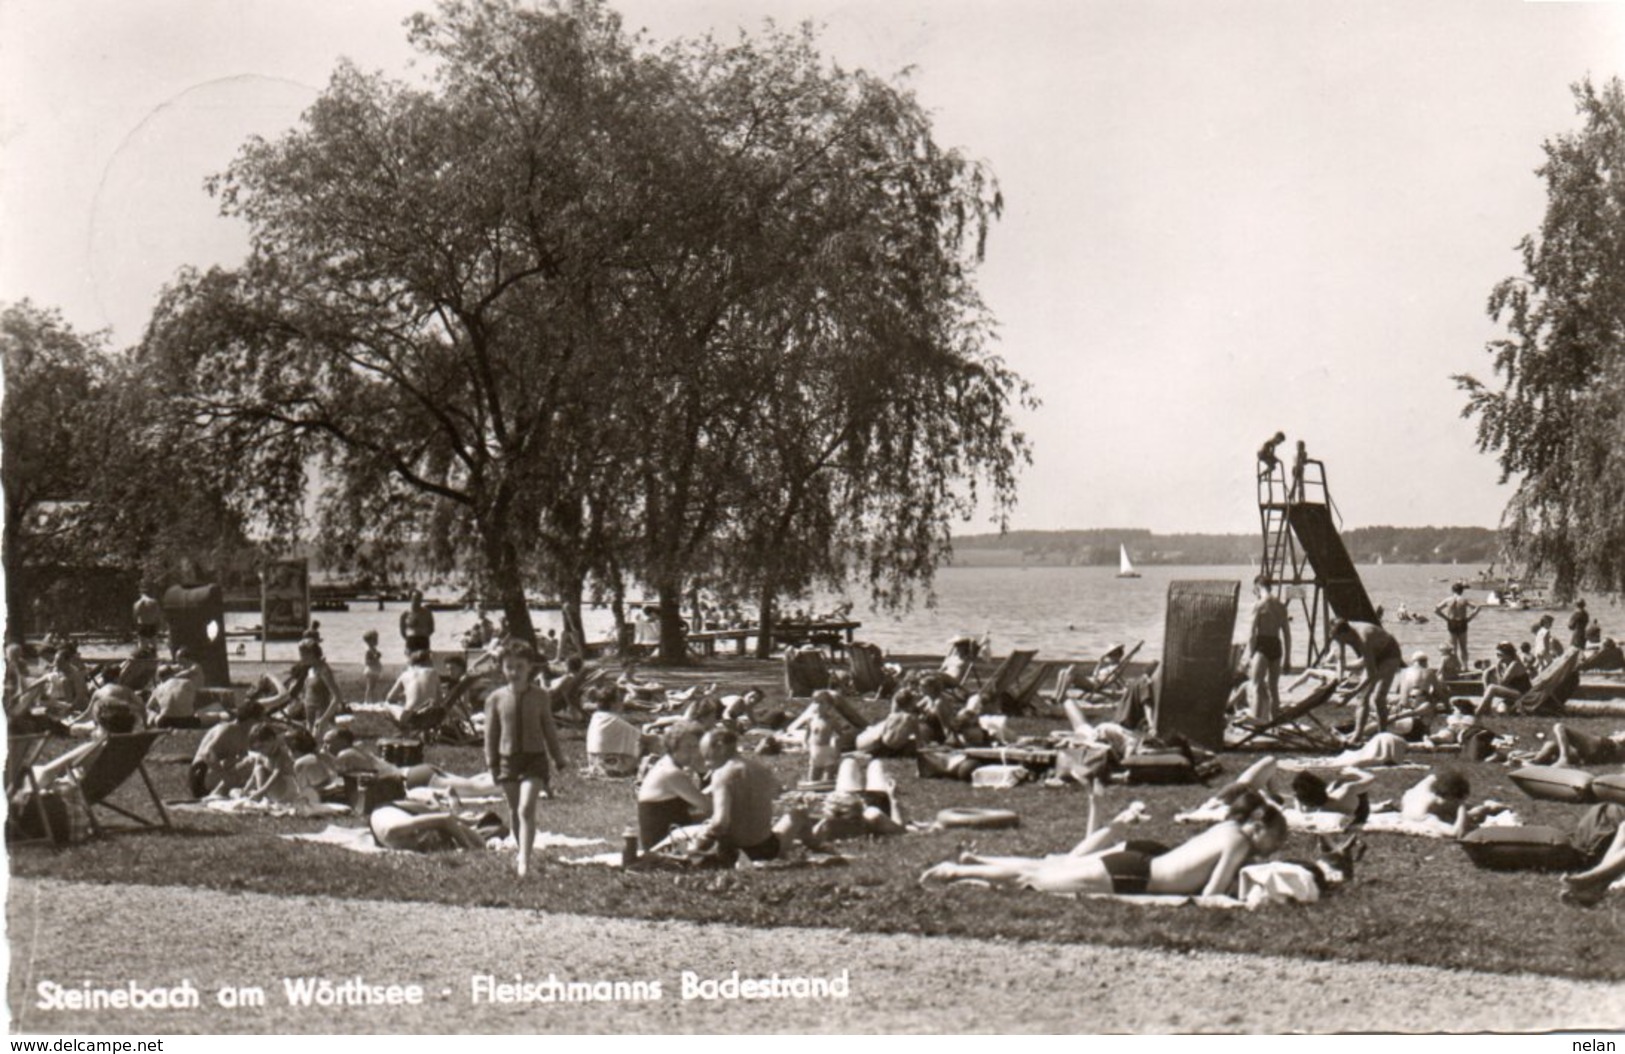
(71, 933)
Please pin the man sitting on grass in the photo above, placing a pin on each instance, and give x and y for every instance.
(221, 764)
(742, 794)
(414, 699)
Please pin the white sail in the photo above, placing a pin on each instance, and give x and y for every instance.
(1125, 567)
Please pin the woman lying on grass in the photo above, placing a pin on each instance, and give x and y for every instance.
(401, 825)
(1206, 865)
(343, 755)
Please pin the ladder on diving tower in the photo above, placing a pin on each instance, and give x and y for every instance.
(1304, 558)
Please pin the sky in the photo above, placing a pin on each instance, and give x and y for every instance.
(1224, 217)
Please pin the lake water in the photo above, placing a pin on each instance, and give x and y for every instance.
(1064, 612)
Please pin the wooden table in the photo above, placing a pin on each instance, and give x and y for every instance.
(837, 634)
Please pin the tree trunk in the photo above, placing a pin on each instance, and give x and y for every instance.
(764, 623)
(16, 601)
(673, 645)
(502, 562)
(573, 641)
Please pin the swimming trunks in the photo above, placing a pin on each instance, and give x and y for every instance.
(1269, 647)
(1456, 626)
(1130, 871)
(1130, 866)
(511, 768)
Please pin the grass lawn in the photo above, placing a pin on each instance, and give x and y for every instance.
(1415, 901)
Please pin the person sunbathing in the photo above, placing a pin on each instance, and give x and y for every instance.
(400, 825)
(1206, 865)
(1587, 888)
(1506, 682)
(851, 813)
(669, 795)
(414, 699)
(314, 769)
(1442, 797)
(1345, 796)
(272, 779)
(1384, 748)
(1571, 748)
(613, 742)
(898, 734)
(742, 794)
(348, 758)
(111, 719)
(221, 763)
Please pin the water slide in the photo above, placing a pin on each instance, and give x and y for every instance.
(1323, 545)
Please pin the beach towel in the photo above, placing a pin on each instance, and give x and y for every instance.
(1213, 811)
(1158, 900)
(244, 807)
(360, 840)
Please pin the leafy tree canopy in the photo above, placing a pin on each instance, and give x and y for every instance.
(1556, 422)
(554, 309)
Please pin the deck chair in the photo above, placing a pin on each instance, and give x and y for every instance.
(806, 670)
(21, 786)
(867, 671)
(1553, 686)
(1001, 683)
(1196, 667)
(1026, 691)
(120, 757)
(1298, 726)
(959, 665)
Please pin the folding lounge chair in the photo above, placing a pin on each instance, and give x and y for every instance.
(1002, 681)
(120, 757)
(1026, 691)
(959, 665)
(21, 754)
(1114, 678)
(867, 672)
(1297, 726)
(1553, 686)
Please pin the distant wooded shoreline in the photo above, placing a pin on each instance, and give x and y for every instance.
(1475, 548)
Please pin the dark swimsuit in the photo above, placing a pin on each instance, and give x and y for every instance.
(1456, 626)
(1269, 647)
(1130, 866)
(657, 818)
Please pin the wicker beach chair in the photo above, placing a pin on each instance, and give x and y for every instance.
(1196, 661)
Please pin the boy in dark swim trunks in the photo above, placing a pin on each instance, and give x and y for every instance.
(519, 739)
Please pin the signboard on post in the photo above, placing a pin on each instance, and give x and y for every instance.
(284, 601)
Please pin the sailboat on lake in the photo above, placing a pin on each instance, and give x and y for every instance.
(1125, 566)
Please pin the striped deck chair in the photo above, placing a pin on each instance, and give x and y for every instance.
(120, 757)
